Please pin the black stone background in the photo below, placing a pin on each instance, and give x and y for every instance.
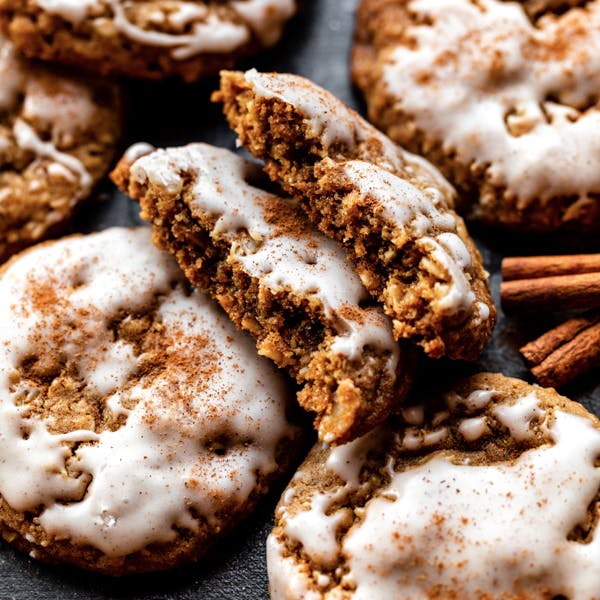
(316, 45)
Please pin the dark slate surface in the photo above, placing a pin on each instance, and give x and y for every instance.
(316, 46)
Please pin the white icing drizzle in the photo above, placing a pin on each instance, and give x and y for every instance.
(209, 32)
(462, 530)
(147, 474)
(137, 151)
(55, 103)
(265, 17)
(346, 460)
(213, 35)
(475, 401)
(519, 416)
(473, 429)
(27, 138)
(303, 261)
(336, 124)
(70, 10)
(415, 439)
(423, 212)
(408, 209)
(12, 75)
(316, 531)
(286, 582)
(483, 79)
(313, 527)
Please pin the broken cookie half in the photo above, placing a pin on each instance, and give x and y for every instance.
(277, 278)
(391, 210)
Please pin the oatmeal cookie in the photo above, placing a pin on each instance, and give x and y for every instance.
(136, 424)
(502, 96)
(391, 210)
(277, 278)
(489, 490)
(145, 38)
(57, 136)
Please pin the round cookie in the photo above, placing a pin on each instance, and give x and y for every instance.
(136, 423)
(501, 95)
(492, 491)
(146, 38)
(57, 137)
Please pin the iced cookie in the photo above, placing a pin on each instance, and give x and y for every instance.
(502, 96)
(146, 38)
(136, 424)
(491, 492)
(277, 278)
(391, 210)
(57, 136)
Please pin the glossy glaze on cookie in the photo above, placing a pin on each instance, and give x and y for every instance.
(391, 210)
(57, 135)
(502, 98)
(492, 496)
(287, 284)
(136, 423)
(152, 39)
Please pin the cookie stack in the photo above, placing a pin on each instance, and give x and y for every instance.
(151, 378)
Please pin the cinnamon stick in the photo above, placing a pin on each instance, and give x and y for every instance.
(533, 267)
(535, 352)
(566, 352)
(561, 292)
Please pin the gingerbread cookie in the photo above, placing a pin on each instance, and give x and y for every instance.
(277, 278)
(501, 95)
(57, 137)
(390, 209)
(136, 424)
(490, 490)
(145, 38)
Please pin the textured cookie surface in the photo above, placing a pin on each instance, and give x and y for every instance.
(145, 38)
(501, 95)
(278, 278)
(136, 423)
(57, 136)
(490, 492)
(390, 209)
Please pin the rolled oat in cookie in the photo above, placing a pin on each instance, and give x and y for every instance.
(58, 132)
(146, 38)
(391, 210)
(501, 95)
(136, 424)
(277, 278)
(489, 490)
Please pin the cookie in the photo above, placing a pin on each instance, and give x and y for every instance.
(501, 96)
(146, 38)
(391, 210)
(491, 492)
(136, 424)
(277, 278)
(57, 137)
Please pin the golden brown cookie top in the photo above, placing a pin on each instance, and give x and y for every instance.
(131, 408)
(488, 490)
(183, 28)
(501, 95)
(57, 135)
(146, 38)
